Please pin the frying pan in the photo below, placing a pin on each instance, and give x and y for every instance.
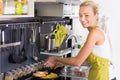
(37, 78)
(49, 70)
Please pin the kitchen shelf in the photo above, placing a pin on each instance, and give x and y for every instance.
(59, 53)
(45, 0)
(15, 16)
(29, 14)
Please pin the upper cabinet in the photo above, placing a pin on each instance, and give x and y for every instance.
(61, 1)
(16, 8)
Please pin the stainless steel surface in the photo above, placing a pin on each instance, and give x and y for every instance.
(56, 9)
(10, 44)
(71, 37)
(59, 53)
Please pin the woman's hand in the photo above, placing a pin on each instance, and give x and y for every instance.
(51, 62)
(58, 64)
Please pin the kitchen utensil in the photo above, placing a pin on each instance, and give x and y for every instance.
(22, 47)
(0, 36)
(53, 45)
(3, 37)
(51, 73)
(48, 70)
(50, 76)
(20, 57)
(33, 45)
(10, 44)
(49, 42)
(12, 51)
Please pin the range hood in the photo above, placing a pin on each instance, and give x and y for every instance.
(56, 9)
(61, 1)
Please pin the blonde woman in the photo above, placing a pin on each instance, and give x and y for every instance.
(96, 50)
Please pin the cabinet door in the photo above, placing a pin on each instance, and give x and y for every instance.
(30, 12)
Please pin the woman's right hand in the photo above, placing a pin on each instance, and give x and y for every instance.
(58, 64)
(51, 62)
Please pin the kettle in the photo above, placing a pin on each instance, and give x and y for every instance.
(50, 42)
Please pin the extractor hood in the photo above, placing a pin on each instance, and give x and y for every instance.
(56, 9)
(61, 1)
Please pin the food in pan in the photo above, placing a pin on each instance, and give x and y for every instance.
(40, 74)
(50, 76)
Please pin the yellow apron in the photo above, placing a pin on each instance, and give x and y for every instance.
(99, 67)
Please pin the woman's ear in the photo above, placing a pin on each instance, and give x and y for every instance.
(96, 15)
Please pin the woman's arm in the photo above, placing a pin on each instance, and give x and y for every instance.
(82, 55)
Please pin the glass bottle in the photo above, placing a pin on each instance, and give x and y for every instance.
(9, 7)
(25, 7)
(1, 7)
(18, 7)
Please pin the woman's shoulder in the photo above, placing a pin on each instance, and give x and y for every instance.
(97, 34)
(97, 31)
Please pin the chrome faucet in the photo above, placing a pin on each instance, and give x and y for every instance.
(70, 37)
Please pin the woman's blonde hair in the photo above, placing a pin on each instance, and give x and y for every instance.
(91, 4)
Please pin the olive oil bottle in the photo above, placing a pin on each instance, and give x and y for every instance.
(18, 7)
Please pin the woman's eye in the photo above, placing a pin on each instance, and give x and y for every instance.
(80, 15)
(86, 15)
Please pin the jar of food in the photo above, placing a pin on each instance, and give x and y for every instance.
(15, 74)
(19, 70)
(8, 76)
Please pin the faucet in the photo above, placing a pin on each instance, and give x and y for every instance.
(70, 37)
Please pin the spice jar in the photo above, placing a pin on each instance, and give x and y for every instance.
(8, 76)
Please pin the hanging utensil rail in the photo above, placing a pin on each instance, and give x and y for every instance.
(12, 26)
(64, 21)
(18, 23)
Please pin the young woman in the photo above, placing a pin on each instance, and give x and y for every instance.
(96, 50)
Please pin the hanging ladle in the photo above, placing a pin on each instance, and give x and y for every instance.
(33, 39)
(3, 36)
(22, 51)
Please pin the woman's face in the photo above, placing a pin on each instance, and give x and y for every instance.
(87, 16)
